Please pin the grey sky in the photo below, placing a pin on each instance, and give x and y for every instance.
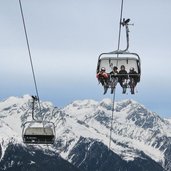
(66, 37)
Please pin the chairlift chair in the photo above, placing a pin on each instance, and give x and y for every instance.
(36, 131)
(120, 57)
(42, 134)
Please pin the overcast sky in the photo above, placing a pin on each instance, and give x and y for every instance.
(67, 36)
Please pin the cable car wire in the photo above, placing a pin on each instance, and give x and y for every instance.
(29, 52)
(119, 35)
(113, 109)
(114, 93)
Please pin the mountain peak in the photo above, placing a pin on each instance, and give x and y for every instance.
(85, 102)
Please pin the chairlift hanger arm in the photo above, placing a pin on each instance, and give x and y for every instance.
(124, 23)
(35, 98)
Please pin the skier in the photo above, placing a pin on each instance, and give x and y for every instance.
(133, 79)
(113, 78)
(122, 78)
(103, 78)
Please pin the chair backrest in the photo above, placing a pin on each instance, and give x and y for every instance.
(38, 131)
(109, 63)
(118, 58)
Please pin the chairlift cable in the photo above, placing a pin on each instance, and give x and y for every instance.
(113, 108)
(29, 52)
(120, 21)
(114, 95)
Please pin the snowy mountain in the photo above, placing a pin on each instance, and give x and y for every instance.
(169, 120)
(141, 140)
(20, 158)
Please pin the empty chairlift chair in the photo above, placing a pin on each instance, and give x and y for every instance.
(38, 132)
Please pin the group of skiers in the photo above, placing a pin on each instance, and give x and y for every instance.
(111, 79)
